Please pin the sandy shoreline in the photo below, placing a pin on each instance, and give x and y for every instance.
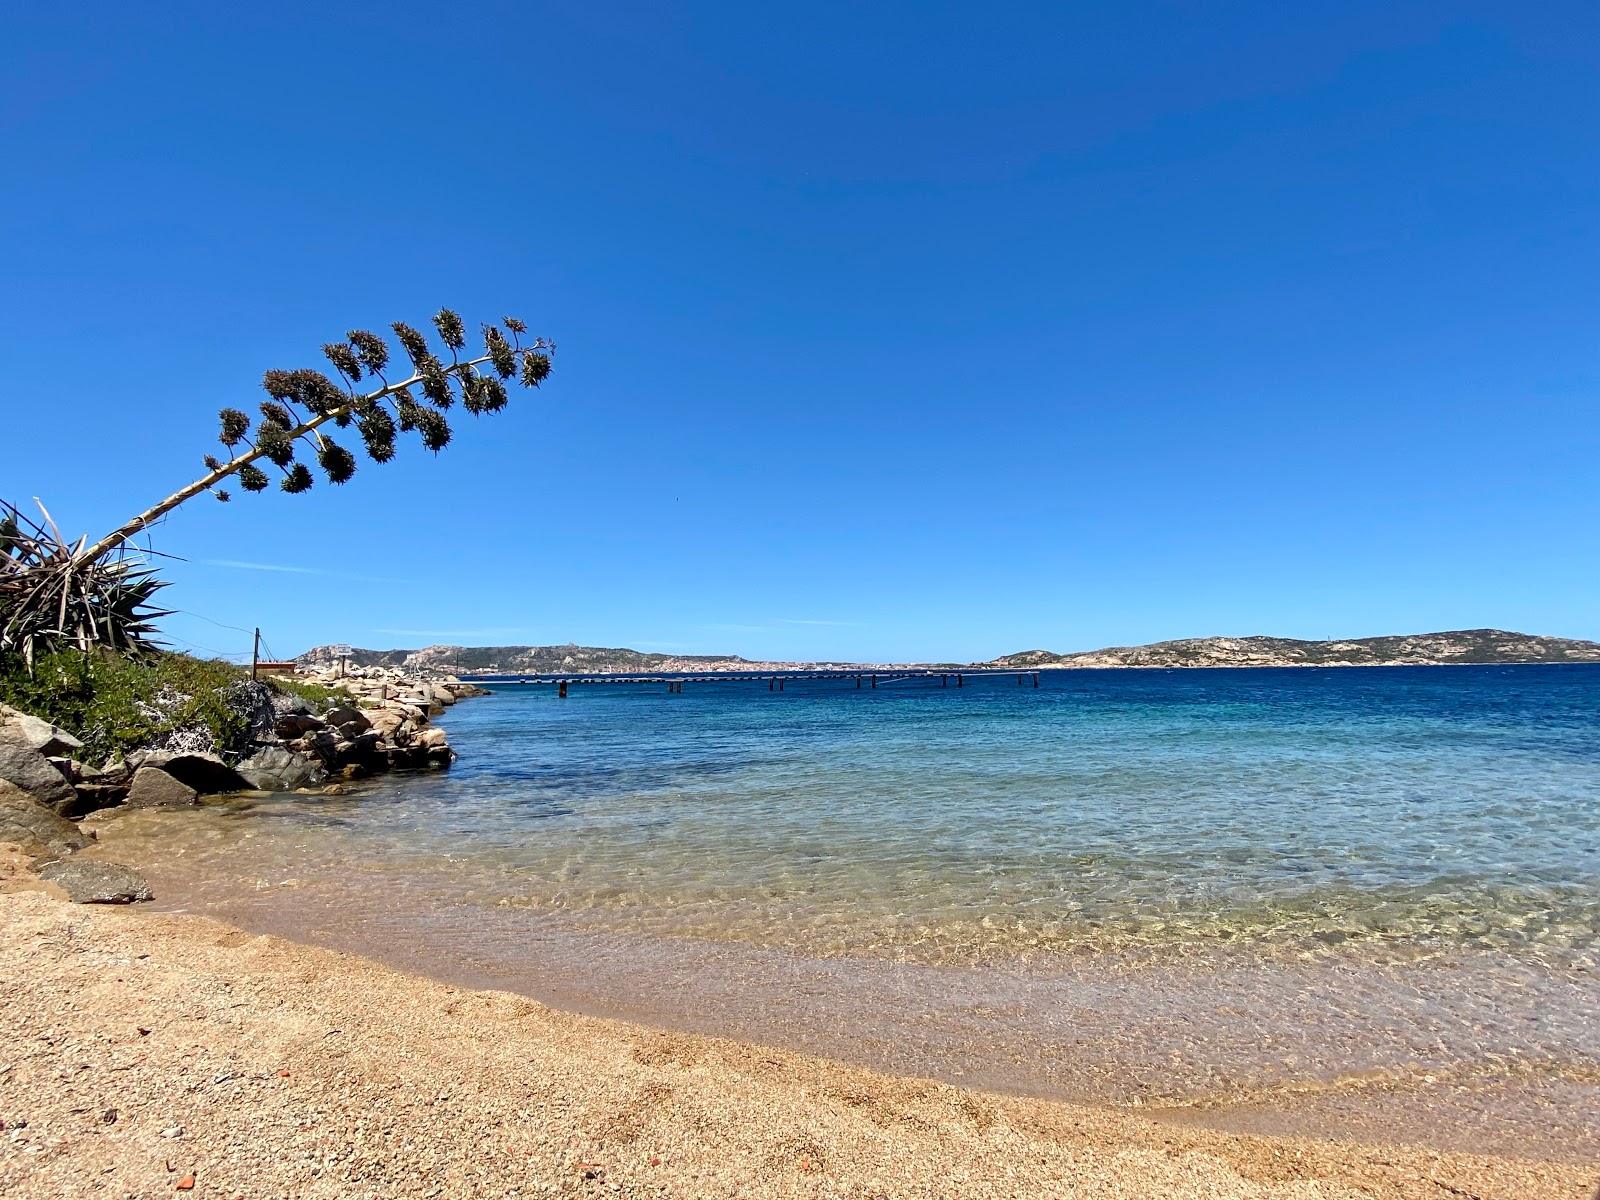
(297, 1071)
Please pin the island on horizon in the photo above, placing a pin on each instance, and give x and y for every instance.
(1475, 647)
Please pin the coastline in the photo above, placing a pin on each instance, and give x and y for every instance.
(263, 1067)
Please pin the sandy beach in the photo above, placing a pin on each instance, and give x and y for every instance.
(150, 1055)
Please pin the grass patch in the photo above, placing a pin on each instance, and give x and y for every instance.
(319, 696)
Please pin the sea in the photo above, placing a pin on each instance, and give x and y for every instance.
(1346, 902)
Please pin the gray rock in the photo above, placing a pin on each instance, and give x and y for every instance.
(34, 827)
(274, 769)
(49, 740)
(293, 725)
(26, 768)
(345, 717)
(90, 882)
(91, 797)
(153, 787)
(205, 773)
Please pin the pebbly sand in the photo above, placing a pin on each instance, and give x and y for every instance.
(140, 1053)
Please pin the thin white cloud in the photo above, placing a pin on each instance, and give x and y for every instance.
(255, 566)
(284, 568)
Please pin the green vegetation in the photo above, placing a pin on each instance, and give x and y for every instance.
(319, 696)
(114, 703)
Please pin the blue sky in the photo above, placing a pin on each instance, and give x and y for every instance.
(886, 331)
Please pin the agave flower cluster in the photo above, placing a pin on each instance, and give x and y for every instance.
(303, 402)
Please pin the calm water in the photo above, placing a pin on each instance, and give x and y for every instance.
(1412, 853)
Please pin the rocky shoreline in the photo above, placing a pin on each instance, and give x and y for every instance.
(364, 721)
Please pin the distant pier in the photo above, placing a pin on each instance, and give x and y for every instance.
(775, 680)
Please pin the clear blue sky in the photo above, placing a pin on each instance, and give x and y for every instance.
(886, 331)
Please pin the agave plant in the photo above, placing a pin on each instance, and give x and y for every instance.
(53, 595)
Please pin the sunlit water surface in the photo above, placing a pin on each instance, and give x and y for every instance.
(1343, 894)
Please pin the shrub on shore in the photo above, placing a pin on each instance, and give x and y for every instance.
(114, 703)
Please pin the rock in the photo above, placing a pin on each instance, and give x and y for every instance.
(49, 740)
(89, 882)
(432, 737)
(385, 723)
(29, 770)
(92, 797)
(292, 725)
(205, 773)
(274, 769)
(35, 828)
(343, 717)
(152, 786)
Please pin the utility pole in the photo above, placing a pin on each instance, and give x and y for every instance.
(255, 653)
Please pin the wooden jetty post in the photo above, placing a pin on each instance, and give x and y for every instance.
(874, 679)
(944, 681)
(961, 680)
(858, 681)
(781, 682)
(561, 690)
(772, 685)
(1036, 679)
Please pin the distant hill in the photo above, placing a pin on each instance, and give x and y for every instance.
(534, 660)
(1417, 649)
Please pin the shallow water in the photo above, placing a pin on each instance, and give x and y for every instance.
(1334, 893)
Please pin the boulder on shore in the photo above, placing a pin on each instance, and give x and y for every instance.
(50, 740)
(153, 787)
(29, 770)
(89, 882)
(205, 773)
(274, 769)
(30, 825)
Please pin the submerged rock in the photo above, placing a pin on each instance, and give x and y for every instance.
(89, 882)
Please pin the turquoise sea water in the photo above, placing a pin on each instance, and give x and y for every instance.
(1274, 888)
(1426, 807)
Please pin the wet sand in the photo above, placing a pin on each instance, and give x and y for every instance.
(140, 1051)
(1471, 1051)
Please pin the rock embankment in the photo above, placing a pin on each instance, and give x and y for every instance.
(383, 725)
(362, 722)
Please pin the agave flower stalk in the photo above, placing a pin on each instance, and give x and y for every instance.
(283, 425)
